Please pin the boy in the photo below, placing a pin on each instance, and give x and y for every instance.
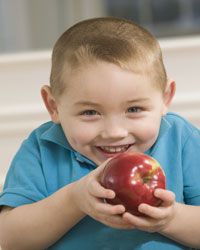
(108, 94)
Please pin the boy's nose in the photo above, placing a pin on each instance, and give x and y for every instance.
(114, 130)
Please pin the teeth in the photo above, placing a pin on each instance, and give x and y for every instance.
(116, 149)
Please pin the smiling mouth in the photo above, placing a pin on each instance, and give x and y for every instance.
(114, 149)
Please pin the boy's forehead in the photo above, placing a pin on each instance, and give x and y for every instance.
(100, 69)
(92, 80)
(89, 84)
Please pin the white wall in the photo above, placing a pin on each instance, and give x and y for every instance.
(21, 108)
(22, 75)
(182, 60)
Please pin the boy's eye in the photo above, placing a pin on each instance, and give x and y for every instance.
(89, 112)
(134, 109)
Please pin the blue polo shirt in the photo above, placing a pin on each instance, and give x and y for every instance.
(46, 162)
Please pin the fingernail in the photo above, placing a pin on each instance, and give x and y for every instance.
(141, 208)
(157, 192)
(112, 194)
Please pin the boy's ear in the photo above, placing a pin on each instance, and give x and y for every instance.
(50, 103)
(168, 95)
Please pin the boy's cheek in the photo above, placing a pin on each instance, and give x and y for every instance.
(79, 136)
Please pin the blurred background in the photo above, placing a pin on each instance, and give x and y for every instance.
(36, 24)
(29, 29)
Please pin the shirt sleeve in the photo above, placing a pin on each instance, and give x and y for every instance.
(191, 169)
(25, 182)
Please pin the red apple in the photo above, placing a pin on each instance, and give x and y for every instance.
(133, 177)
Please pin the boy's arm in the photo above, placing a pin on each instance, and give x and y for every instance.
(185, 225)
(46, 220)
(39, 225)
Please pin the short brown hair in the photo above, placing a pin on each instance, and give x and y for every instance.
(108, 39)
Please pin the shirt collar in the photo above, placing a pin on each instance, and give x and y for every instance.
(56, 135)
(164, 128)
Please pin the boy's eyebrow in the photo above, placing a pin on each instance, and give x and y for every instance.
(89, 103)
(86, 103)
(138, 100)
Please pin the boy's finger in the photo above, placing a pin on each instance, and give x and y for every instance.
(168, 197)
(99, 169)
(108, 209)
(99, 191)
(152, 212)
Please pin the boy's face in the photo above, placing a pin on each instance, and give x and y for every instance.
(106, 110)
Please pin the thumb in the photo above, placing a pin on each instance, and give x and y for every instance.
(101, 167)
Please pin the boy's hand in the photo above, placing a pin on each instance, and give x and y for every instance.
(155, 219)
(89, 195)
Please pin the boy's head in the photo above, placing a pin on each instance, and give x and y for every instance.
(112, 40)
(109, 88)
